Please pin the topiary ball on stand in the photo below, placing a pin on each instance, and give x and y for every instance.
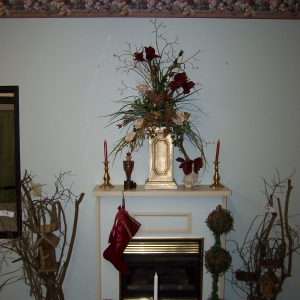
(217, 259)
(220, 221)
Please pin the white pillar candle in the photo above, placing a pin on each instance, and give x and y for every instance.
(155, 286)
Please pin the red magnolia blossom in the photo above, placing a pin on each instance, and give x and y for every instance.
(150, 53)
(139, 56)
(181, 80)
(198, 164)
(187, 166)
(187, 86)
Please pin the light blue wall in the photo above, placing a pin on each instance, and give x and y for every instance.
(66, 73)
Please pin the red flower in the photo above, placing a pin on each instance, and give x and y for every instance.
(198, 164)
(167, 120)
(187, 167)
(139, 56)
(150, 53)
(181, 80)
(187, 86)
(119, 125)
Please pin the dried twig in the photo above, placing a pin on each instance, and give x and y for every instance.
(44, 284)
(272, 246)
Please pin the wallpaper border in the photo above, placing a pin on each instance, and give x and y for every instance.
(245, 9)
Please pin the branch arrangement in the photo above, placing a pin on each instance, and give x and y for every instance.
(160, 99)
(267, 256)
(44, 228)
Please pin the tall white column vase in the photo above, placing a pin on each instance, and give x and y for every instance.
(161, 163)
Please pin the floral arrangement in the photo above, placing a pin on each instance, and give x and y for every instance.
(160, 100)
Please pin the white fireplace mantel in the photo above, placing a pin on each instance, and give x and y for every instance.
(118, 190)
(181, 191)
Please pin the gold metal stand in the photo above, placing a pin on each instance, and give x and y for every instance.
(216, 177)
(106, 178)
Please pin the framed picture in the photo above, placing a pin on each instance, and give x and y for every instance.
(10, 174)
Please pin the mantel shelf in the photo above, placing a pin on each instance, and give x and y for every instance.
(140, 191)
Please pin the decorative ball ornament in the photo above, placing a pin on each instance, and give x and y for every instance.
(217, 260)
(220, 220)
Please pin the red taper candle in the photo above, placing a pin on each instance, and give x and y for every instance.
(217, 151)
(105, 151)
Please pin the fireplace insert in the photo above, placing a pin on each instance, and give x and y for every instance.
(177, 261)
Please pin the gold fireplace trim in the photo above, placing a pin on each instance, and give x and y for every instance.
(165, 245)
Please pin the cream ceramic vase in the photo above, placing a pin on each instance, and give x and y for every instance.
(160, 162)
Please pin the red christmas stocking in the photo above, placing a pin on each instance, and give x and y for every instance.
(124, 229)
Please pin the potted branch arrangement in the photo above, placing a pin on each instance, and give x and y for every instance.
(267, 255)
(44, 228)
(160, 105)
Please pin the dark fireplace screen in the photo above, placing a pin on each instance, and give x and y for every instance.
(177, 261)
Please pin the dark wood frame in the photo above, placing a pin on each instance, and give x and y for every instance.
(14, 100)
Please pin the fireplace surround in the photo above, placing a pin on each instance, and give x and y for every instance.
(162, 213)
(177, 261)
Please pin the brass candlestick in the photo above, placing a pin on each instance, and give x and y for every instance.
(106, 178)
(216, 177)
